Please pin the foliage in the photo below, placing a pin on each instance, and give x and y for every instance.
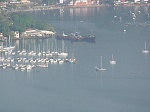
(2, 0)
(20, 22)
(4, 27)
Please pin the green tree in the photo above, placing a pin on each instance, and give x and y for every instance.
(4, 27)
(2, 0)
(20, 22)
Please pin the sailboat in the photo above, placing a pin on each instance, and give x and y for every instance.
(112, 61)
(101, 68)
(8, 48)
(145, 51)
(63, 54)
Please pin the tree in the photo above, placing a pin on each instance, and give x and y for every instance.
(2, 0)
(20, 22)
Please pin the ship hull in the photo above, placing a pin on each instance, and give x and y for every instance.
(76, 38)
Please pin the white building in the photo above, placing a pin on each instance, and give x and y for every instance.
(145, 0)
(81, 2)
(16, 34)
(61, 1)
(136, 1)
(140, 1)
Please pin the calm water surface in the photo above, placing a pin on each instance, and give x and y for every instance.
(123, 87)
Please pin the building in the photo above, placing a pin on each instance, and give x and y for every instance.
(61, 1)
(16, 34)
(14, 2)
(83, 2)
(18, 1)
(2, 4)
(136, 1)
(2, 38)
(25, 1)
(80, 2)
(35, 33)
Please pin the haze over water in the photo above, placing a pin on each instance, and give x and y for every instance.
(123, 87)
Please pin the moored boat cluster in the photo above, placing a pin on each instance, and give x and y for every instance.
(26, 61)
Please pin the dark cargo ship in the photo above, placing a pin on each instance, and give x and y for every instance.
(76, 37)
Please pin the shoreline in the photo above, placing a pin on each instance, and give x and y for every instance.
(42, 8)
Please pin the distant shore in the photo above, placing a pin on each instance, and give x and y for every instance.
(39, 8)
(52, 7)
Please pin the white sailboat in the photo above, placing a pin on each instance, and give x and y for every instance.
(64, 35)
(112, 61)
(101, 67)
(145, 51)
(8, 48)
(29, 67)
(63, 53)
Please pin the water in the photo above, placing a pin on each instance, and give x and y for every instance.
(78, 87)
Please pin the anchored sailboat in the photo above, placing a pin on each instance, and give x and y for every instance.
(101, 67)
(112, 61)
(145, 51)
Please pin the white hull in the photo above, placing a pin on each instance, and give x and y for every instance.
(29, 67)
(63, 54)
(42, 66)
(99, 69)
(9, 48)
(144, 51)
(112, 62)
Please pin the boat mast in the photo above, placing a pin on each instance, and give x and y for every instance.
(9, 41)
(145, 45)
(62, 46)
(91, 33)
(112, 58)
(101, 61)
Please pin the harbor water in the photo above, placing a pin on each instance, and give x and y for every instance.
(78, 87)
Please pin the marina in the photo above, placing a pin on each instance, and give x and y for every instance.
(27, 60)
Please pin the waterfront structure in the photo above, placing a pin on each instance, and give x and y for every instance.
(61, 1)
(25, 1)
(18, 1)
(83, 2)
(2, 4)
(2, 38)
(80, 2)
(16, 34)
(136, 1)
(14, 2)
(31, 33)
